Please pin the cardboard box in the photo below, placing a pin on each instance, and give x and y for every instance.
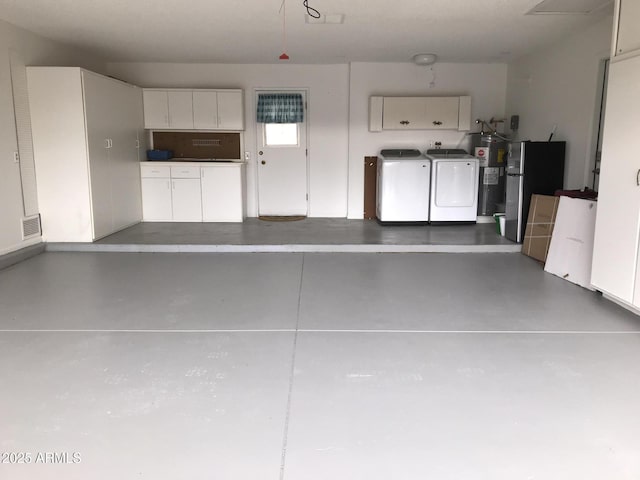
(537, 235)
(571, 248)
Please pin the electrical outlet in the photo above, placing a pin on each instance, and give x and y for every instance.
(16, 157)
(247, 156)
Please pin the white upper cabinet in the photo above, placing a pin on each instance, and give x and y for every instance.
(188, 109)
(405, 113)
(230, 110)
(442, 112)
(156, 109)
(627, 35)
(420, 113)
(205, 110)
(180, 109)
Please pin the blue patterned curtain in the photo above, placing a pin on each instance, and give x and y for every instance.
(280, 108)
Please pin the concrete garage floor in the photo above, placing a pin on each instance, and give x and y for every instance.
(308, 235)
(314, 366)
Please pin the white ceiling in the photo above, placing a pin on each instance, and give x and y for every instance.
(250, 31)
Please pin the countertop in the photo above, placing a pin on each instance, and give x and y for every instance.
(192, 162)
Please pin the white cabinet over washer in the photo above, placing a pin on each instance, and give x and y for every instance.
(419, 113)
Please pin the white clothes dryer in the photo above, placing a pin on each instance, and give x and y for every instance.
(454, 186)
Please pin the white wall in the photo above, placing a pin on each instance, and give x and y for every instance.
(559, 85)
(328, 116)
(338, 112)
(34, 50)
(486, 83)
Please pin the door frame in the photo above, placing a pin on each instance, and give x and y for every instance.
(258, 90)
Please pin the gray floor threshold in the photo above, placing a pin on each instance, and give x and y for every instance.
(294, 248)
(18, 256)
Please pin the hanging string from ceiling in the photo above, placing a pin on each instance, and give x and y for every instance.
(312, 12)
(283, 10)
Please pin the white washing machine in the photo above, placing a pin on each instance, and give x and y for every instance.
(454, 186)
(404, 178)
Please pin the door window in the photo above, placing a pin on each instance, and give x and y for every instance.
(281, 134)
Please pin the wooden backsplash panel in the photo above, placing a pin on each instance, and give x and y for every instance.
(199, 144)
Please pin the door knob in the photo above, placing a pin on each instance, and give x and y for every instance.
(263, 162)
(260, 152)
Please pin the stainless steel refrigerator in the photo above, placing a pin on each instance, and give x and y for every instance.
(532, 168)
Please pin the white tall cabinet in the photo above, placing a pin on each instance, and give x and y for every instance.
(86, 131)
(616, 269)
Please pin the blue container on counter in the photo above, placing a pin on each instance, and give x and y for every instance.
(159, 154)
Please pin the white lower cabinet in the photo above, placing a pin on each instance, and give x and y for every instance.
(186, 200)
(222, 197)
(192, 193)
(156, 200)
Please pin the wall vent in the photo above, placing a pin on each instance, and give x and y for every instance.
(31, 227)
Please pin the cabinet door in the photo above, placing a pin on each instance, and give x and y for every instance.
(404, 113)
(222, 194)
(156, 199)
(617, 223)
(442, 112)
(186, 200)
(628, 32)
(230, 110)
(180, 109)
(205, 110)
(125, 180)
(156, 109)
(100, 114)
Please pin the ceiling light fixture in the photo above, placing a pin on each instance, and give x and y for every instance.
(425, 58)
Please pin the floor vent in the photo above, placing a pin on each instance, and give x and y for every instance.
(31, 227)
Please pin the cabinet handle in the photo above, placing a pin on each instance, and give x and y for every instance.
(638, 178)
(106, 143)
(437, 122)
(405, 122)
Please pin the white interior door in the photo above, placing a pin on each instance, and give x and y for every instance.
(282, 166)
